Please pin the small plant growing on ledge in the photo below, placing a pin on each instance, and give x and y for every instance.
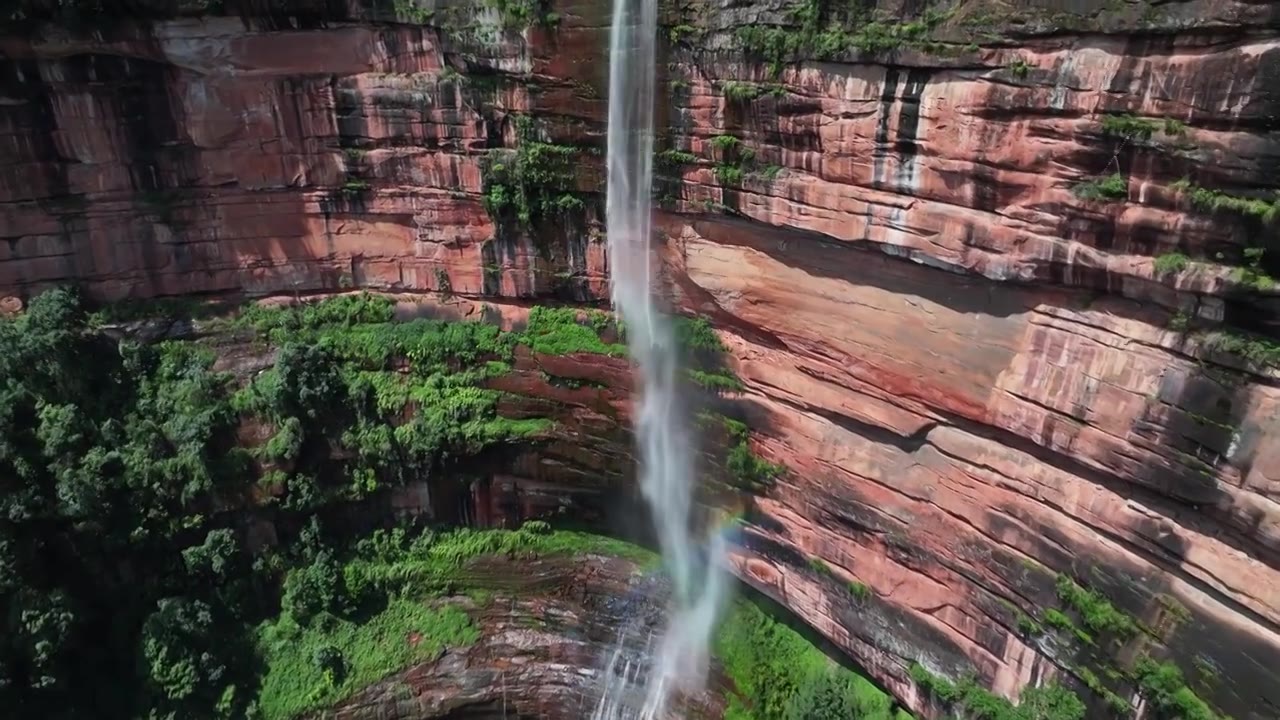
(676, 158)
(1164, 685)
(1098, 614)
(1132, 127)
(354, 186)
(1252, 275)
(1255, 350)
(1206, 200)
(680, 32)
(735, 159)
(1020, 68)
(1048, 702)
(1171, 262)
(740, 91)
(820, 566)
(859, 591)
(1113, 187)
(412, 12)
(831, 31)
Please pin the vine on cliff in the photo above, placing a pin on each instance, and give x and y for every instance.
(535, 182)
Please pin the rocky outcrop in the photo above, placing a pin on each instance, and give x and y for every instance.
(1001, 345)
(544, 636)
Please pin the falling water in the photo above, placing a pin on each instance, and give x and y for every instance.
(640, 687)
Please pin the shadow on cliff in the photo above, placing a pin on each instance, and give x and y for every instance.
(1195, 420)
(166, 238)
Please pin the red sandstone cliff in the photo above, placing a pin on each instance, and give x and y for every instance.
(975, 369)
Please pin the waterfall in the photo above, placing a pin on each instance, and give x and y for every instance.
(677, 658)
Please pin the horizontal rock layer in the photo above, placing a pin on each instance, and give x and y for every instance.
(964, 364)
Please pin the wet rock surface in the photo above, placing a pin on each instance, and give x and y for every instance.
(546, 632)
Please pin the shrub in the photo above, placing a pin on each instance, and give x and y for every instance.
(1112, 187)
(1171, 262)
(1097, 613)
(314, 589)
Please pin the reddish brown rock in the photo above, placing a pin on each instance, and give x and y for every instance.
(953, 445)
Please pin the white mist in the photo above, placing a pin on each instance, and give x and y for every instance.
(641, 688)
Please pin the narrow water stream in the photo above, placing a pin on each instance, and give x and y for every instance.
(645, 671)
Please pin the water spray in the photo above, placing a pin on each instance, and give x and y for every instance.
(677, 659)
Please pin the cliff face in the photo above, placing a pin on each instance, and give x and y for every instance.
(991, 279)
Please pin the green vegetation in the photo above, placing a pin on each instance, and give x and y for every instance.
(1020, 68)
(352, 654)
(1256, 350)
(970, 700)
(168, 309)
(1209, 201)
(1095, 611)
(831, 31)
(707, 352)
(1251, 275)
(557, 331)
(1171, 262)
(1164, 685)
(740, 91)
(675, 159)
(121, 455)
(521, 14)
(410, 11)
(859, 591)
(1138, 128)
(678, 33)
(777, 673)
(535, 182)
(1055, 619)
(1027, 626)
(381, 606)
(1091, 680)
(354, 186)
(746, 470)
(820, 566)
(1112, 187)
(734, 159)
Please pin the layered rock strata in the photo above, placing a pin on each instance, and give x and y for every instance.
(994, 335)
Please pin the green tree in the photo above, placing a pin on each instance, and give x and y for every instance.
(40, 628)
(177, 648)
(315, 589)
